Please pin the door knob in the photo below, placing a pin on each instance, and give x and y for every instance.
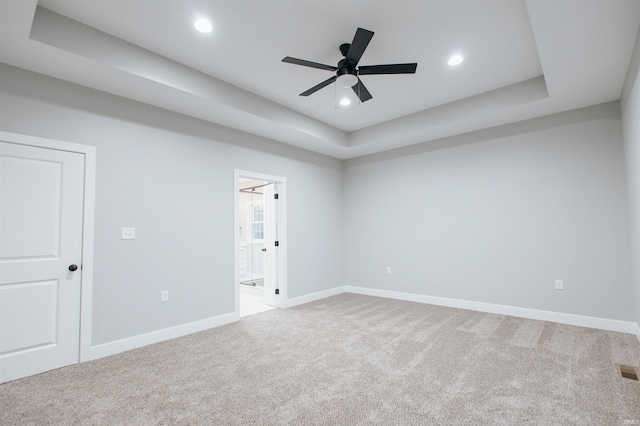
(73, 267)
(264, 249)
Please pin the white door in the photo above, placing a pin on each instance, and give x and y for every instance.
(271, 253)
(41, 219)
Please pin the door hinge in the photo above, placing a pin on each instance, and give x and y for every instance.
(277, 243)
(275, 196)
(277, 291)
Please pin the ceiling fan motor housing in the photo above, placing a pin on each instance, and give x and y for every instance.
(344, 67)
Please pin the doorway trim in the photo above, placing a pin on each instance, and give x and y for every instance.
(282, 234)
(88, 222)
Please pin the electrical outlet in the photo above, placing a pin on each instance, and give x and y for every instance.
(389, 270)
(559, 285)
(128, 233)
(165, 296)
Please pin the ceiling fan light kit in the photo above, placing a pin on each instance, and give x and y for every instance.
(346, 79)
(347, 72)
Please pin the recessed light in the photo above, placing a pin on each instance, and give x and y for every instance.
(203, 25)
(455, 60)
(345, 101)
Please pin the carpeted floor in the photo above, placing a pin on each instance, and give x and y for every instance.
(348, 360)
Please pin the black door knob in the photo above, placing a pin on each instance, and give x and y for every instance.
(73, 267)
(264, 249)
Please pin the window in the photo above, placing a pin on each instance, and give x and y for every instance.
(257, 221)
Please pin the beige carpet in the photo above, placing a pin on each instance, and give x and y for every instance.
(348, 360)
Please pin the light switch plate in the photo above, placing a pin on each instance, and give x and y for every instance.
(128, 233)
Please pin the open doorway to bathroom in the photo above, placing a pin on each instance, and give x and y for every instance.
(260, 236)
(254, 253)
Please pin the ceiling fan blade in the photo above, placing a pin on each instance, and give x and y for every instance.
(358, 45)
(304, 63)
(319, 86)
(387, 69)
(362, 91)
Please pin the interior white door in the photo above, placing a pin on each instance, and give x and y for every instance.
(41, 218)
(271, 253)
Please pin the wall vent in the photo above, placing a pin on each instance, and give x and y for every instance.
(628, 372)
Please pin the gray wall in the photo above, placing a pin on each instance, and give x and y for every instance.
(630, 103)
(493, 216)
(171, 177)
(496, 216)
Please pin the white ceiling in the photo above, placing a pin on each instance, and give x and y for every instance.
(523, 59)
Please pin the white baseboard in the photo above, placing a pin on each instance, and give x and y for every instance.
(134, 342)
(579, 320)
(314, 296)
(112, 348)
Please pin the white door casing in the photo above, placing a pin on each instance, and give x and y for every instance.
(281, 223)
(271, 253)
(42, 215)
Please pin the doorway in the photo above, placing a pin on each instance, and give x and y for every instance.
(260, 234)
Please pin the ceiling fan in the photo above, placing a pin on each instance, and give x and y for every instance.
(347, 71)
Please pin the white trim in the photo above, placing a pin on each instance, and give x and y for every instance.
(282, 233)
(112, 348)
(579, 320)
(86, 289)
(638, 332)
(314, 296)
(86, 301)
